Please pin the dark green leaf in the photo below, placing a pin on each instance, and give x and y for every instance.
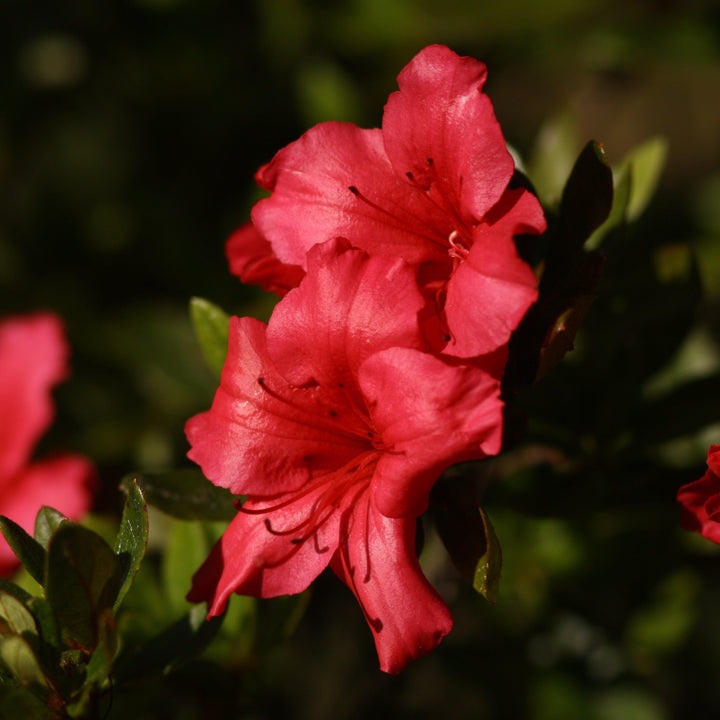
(101, 662)
(132, 537)
(185, 494)
(587, 198)
(28, 550)
(182, 641)
(83, 579)
(211, 325)
(47, 521)
(19, 703)
(646, 163)
(487, 571)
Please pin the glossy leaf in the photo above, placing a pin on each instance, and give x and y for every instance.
(185, 494)
(132, 537)
(211, 325)
(28, 550)
(47, 521)
(15, 590)
(83, 579)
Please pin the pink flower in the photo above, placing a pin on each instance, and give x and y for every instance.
(433, 186)
(700, 500)
(33, 358)
(335, 423)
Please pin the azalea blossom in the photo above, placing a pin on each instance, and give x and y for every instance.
(433, 186)
(33, 358)
(700, 500)
(335, 422)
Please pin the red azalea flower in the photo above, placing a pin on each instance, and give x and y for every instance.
(336, 424)
(700, 500)
(33, 358)
(251, 258)
(430, 187)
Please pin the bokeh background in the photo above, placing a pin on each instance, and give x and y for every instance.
(129, 134)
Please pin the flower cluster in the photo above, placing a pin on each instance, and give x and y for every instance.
(33, 358)
(393, 251)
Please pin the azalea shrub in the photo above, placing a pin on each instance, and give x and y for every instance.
(445, 361)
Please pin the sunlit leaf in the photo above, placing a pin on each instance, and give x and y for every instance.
(28, 550)
(185, 494)
(83, 579)
(132, 537)
(646, 163)
(47, 521)
(211, 325)
(19, 658)
(15, 618)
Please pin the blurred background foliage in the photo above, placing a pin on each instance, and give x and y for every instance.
(129, 133)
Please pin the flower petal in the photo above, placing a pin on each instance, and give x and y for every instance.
(33, 358)
(377, 561)
(263, 560)
(699, 501)
(65, 482)
(251, 258)
(441, 128)
(430, 414)
(336, 181)
(348, 306)
(262, 435)
(492, 288)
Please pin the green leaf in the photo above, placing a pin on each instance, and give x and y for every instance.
(47, 521)
(19, 658)
(19, 703)
(586, 200)
(28, 550)
(211, 325)
(15, 618)
(15, 590)
(487, 571)
(186, 548)
(101, 663)
(83, 579)
(182, 641)
(132, 537)
(646, 163)
(185, 494)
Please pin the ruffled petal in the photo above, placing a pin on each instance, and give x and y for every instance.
(377, 561)
(441, 129)
(430, 415)
(336, 181)
(266, 555)
(251, 258)
(263, 435)
(33, 358)
(65, 482)
(493, 288)
(699, 500)
(348, 307)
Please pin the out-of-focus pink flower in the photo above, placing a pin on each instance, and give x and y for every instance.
(432, 186)
(33, 358)
(336, 423)
(700, 500)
